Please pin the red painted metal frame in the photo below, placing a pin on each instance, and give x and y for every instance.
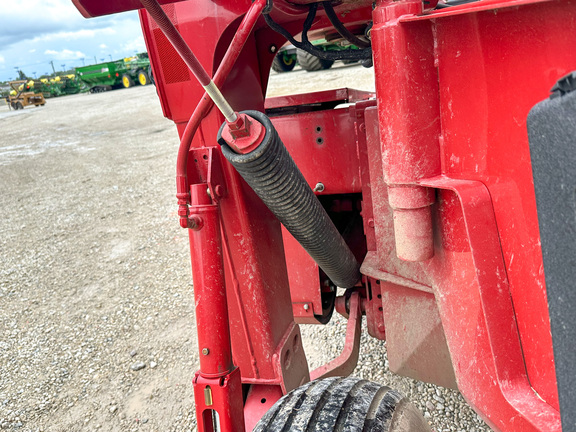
(479, 322)
(489, 75)
(94, 8)
(344, 364)
(498, 140)
(442, 164)
(265, 344)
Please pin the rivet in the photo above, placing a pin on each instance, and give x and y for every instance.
(205, 351)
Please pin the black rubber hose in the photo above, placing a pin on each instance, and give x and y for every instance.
(339, 26)
(306, 45)
(273, 175)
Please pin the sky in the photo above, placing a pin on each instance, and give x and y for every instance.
(34, 33)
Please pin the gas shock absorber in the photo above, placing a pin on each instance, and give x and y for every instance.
(262, 160)
(251, 144)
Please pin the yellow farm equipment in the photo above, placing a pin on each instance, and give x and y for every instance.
(20, 98)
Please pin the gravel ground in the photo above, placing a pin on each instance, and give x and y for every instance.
(95, 288)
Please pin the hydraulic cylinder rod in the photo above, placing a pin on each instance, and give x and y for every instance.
(180, 45)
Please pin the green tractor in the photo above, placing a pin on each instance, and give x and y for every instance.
(289, 56)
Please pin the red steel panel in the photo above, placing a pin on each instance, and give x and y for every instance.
(94, 8)
(502, 64)
(257, 281)
(473, 297)
(323, 145)
(304, 278)
(343, 95)
(260, 318)
(415, 341)
(208, 29)
(492, 68)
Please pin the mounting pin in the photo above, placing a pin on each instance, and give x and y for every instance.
(208, 396)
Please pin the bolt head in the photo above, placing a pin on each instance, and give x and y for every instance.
(205, 351)
(219, 190)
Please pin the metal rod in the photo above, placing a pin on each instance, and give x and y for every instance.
(180, 45)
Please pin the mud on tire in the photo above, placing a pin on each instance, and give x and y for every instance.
(343, 404)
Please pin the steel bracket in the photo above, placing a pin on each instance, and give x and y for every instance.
(345, 363)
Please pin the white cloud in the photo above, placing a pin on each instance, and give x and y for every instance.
(65, 54)
(35, 32)
(74, 35)
(136, 44)
(41, 10)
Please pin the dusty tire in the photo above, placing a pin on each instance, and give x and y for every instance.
(282, 63)
(343, 404)
(312, 63)
(127, 81)
(19, 105)
(143, 78)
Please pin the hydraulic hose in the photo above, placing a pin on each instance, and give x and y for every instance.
(211, 86)
(272, 174)
(205, 104)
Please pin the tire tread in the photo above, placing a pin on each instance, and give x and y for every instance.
(311, 63)
(335, 404)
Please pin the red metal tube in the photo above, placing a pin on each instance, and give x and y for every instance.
(217, 385)
(412, 221)
(409, 123)
(209, 286)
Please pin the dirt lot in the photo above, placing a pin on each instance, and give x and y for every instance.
(95, 287)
